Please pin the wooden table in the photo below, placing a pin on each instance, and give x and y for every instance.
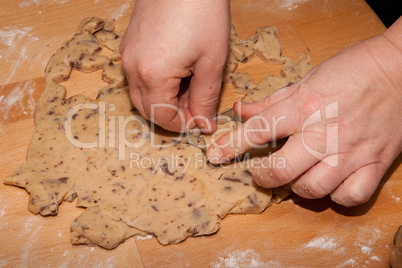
(296, 233)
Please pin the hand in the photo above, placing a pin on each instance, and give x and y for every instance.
(343, 120)
(168, 41)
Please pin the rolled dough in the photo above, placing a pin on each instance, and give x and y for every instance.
(132, 177)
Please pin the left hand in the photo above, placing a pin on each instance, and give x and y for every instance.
(343, 120)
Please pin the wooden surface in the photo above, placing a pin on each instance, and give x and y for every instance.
(296, 233)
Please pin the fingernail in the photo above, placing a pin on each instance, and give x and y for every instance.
(208, 126)
(215, 155)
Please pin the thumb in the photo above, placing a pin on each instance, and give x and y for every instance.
(275, 122)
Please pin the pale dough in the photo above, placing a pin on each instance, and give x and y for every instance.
(264, 44)
(133, 181)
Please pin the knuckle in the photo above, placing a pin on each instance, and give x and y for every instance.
(141, 68)
(256, 131)
(146, 71)
(207, 105)
(280, 174)
(313, 190)
(127, 59)
(310, 101)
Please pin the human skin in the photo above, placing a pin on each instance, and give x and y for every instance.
(359, 87)
(167, 41)
(355, 97)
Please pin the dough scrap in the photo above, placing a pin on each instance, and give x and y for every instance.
(266, 45)
(132, 177)
(86, 229)
(242, 82)
(291, 73)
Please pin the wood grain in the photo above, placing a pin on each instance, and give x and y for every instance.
(295, 233)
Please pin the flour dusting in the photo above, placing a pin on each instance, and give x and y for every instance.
(349, 263)
(14, 39)
(3, 223)
(31, 241)
(366, 238)
(28, 3)
(110, 262)
(30, 225)
(290, 4)
(10, 34)
(121, 10)
(245, 258)
(322, 243)
(22, 91)
(366, 250)
(3, 263)
(375, 258)
(3, 211)
(144, 237)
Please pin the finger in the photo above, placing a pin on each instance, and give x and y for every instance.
(132, 78)
(359, 186)
(161, 106)
(159, 91)
(323, 177)
(248, 110)
(285, 165)
(277, 121)
(204, 88)
(136, 99)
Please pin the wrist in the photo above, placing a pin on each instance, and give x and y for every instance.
(385, 61)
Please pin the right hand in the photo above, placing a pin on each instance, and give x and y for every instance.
(168, 41)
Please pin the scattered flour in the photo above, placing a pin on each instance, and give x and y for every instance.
(3, 211)
(31, 224)
(3, 207)
(349, 263)
(375, 258)
(290, 4)
(396, 198)
(366, 250)
(144, 237)
(109, 263)
(29, 245)
(28, 3)
(367, 237)
(322, 243)
(3, 263)
(121, 10)
(14, 39)
(16, 97)
(9, 35)
(245, 258)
